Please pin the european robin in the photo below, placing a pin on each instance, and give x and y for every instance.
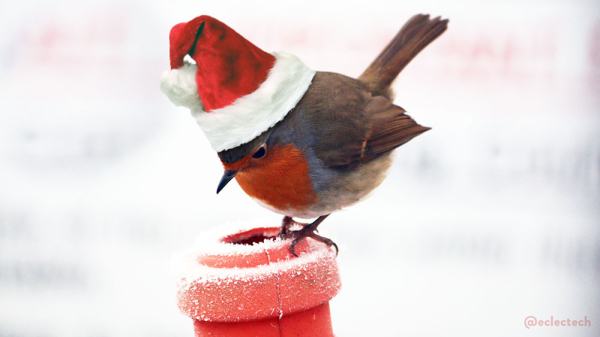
(301, 143)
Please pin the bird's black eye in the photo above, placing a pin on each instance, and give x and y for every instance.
(260, 152)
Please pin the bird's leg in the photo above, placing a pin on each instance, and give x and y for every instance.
(306, 231)
(286, 225)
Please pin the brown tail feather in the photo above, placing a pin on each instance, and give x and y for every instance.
(413, 37)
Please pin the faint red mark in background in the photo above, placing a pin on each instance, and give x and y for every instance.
(69, 45)
(510, 55)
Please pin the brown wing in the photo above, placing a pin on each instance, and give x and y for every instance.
(391, 127)
(385, 126)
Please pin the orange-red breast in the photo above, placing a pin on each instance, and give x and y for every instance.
(301, 143)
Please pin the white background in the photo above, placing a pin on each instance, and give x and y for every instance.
(489, 218)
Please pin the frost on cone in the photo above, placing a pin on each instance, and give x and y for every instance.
(243, 281)
(180, 87)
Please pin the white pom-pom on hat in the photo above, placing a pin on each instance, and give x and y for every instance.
(180, 87)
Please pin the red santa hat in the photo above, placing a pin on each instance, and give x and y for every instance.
(236, 91)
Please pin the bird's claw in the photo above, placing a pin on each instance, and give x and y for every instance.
(308, 230)
(314, 236)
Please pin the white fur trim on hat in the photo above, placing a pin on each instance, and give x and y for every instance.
(250, 115)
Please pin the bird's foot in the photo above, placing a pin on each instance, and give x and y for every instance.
(308, 230)
(286, 227)
(304, 233)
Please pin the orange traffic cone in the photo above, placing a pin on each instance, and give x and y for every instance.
(247, 283)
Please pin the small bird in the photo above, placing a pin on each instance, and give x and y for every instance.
(301, 143)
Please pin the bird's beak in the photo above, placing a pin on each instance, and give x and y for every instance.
(227, 176)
